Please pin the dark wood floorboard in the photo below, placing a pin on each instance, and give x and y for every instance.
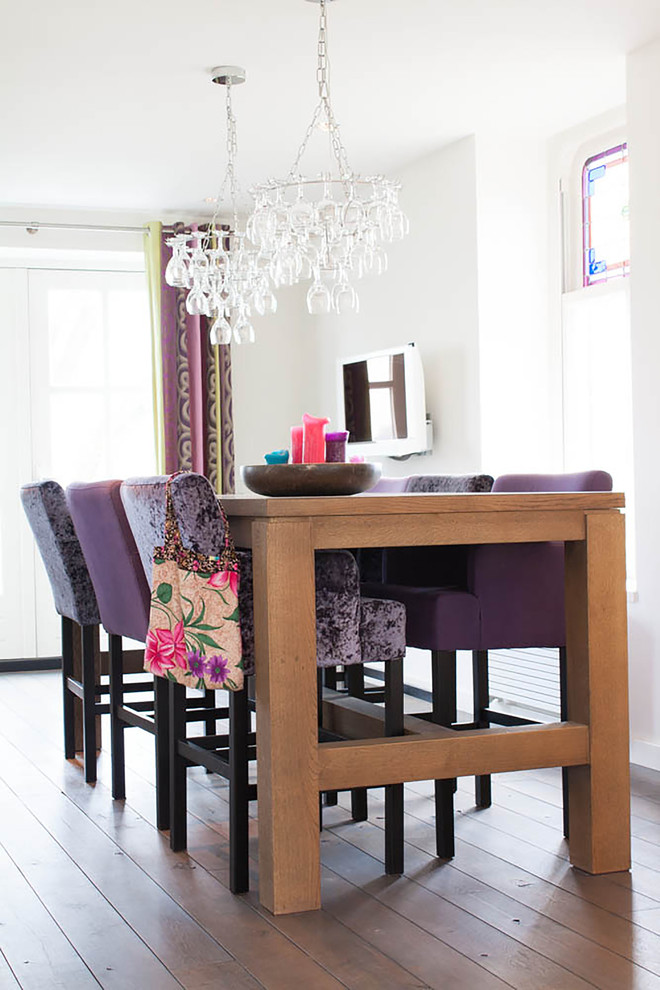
(92, 895)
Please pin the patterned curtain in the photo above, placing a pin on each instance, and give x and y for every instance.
(192, 380)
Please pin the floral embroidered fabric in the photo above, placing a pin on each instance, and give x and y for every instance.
(194, 633)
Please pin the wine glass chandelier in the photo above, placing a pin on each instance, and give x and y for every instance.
(226, 275)
(329, 229)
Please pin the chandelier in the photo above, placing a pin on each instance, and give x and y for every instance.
(329, 229)
(225, 274)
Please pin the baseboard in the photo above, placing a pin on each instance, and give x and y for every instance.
(40, 663)
(133, 663)
(645, 754)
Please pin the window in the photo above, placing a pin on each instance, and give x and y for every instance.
(605, 226)
(92, 410)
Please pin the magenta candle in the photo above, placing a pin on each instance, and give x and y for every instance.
(335, 447)
(296, 444)
(313, 440)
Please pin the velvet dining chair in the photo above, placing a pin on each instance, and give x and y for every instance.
(487, 597)
(348, 628)
(520, 590)
(442, 616)
(45, 506)
(123, 595)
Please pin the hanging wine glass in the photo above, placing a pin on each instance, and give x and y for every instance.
(344, 297)
(319, 300)
(221, 331)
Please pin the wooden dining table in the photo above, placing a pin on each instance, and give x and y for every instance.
(293, 766)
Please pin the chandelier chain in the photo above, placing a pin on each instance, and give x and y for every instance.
(324, 106)
(229, 178)
(329, 229)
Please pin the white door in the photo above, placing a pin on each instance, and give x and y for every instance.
(79, 407)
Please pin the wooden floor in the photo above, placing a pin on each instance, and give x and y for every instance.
(90, 894)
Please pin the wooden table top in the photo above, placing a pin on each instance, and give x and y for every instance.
(419, 503)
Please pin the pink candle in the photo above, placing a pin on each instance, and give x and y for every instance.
(313, 440)
(296, 444)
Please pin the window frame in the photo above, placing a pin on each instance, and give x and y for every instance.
(619, 269)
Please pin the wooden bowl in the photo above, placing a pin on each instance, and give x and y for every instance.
(310, 479)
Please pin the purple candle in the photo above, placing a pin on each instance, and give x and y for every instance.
(296, 444)
(335, 447)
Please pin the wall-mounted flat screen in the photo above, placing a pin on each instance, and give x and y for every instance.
(382, 402)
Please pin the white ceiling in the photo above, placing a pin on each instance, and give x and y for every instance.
(109, 104)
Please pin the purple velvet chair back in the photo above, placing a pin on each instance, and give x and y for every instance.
(50, 520)
(112, 557)
(520, 586)
(580, 481)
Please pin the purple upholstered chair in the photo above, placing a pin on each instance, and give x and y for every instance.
(520, 589)
(49, 518)
(507, 596)
(349, 631)
(123, 597)
(441, 616)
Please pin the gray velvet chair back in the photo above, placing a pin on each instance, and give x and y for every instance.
(112, 557)
(50, 520)
(433, 483)
(449, 483)
(144, 503)
(338, 614)
(433, 566)
(195, 505)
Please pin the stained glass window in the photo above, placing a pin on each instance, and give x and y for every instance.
(605, 226)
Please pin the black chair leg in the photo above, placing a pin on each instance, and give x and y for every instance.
(354, 678)
(178, 766)
(564, 717)
(239, 727)
(116, 723)
(394, 850)
(443, 693)
(89, 703)
(68, 711)
(209, 723)
(481, 693)
(162, 736)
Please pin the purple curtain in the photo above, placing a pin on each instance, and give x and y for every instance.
(197, 398)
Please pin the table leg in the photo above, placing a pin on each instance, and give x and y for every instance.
(597, 694)
(287, 768)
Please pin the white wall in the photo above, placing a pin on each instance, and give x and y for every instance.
(644, 145)
(514, 336)
(429, 296)
(274, 380)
